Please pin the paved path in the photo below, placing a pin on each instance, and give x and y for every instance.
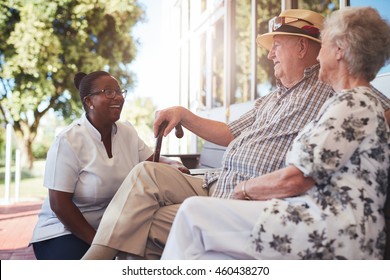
(17, 222)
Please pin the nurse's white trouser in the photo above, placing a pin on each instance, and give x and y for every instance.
(212, 228)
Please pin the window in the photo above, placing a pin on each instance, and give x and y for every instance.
(241, 51)
(218, 64)
(319, 6)
(265, 79)
(242, 55)
(203, 71)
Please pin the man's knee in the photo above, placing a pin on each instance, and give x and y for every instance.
(143, 169)
(143, 165)
(155, 168)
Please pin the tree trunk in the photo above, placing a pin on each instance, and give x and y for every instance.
(29, 160)
(25, 135)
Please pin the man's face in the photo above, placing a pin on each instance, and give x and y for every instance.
(284, 54)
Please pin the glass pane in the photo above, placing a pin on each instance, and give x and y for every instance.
(242, 51)
(383, 8)
(319, 6)
(203, 5)
(203, 70)
(265, 80)
(217, 64)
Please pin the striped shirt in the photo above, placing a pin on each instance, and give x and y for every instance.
(264, 134)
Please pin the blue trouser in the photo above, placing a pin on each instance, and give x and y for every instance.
(66, 247)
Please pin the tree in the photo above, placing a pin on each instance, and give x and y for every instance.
(138, 111)
(44, 43)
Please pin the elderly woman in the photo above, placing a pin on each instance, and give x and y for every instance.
(327, 203)
(85, 166)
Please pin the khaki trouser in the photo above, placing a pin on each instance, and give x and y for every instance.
(140, 215)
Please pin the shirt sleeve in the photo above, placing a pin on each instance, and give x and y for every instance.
(144, 150)
(331, 140)
(247, 119)
(61, 171)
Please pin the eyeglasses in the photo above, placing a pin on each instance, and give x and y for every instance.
(109, 93)
(277, 22)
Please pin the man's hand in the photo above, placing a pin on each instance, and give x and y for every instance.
(179, 166)
(238, 191)
(172, 116)
(175, 164)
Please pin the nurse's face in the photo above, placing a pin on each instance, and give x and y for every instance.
(107, 106)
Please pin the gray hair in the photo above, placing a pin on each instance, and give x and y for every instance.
(363, 35)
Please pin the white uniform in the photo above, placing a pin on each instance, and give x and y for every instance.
(78, 163)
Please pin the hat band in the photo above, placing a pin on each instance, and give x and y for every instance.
(306, 30)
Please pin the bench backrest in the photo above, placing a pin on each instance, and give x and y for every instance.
(211, 155)
(382, 83)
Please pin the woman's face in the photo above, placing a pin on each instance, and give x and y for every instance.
(105, 110)
(328, 60)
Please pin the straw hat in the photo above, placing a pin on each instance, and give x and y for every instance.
(295, 22)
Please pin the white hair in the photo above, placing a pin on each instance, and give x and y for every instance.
(363, 35)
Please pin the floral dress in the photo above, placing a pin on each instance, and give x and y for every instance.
(345, 150)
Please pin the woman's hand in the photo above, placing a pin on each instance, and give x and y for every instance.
(67, 212)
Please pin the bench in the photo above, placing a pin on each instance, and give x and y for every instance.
(210, 157)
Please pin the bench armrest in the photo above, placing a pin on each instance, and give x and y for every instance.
(190, 161)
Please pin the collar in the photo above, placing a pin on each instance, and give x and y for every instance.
(308, 72)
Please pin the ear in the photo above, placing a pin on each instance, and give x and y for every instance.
(303, 45)
(339, 53)
(87, 101)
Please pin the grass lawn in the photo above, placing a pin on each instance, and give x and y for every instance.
(31, 184)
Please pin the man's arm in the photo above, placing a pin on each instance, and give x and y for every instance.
(285, 182)
(210, 130)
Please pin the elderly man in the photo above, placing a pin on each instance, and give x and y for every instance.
(139, 218)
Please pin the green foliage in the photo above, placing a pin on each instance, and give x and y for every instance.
(266, 10)
(139, 111)
(321, 6)
(40, 150)
(44, 43)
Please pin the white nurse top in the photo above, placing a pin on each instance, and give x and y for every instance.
(78, 163)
